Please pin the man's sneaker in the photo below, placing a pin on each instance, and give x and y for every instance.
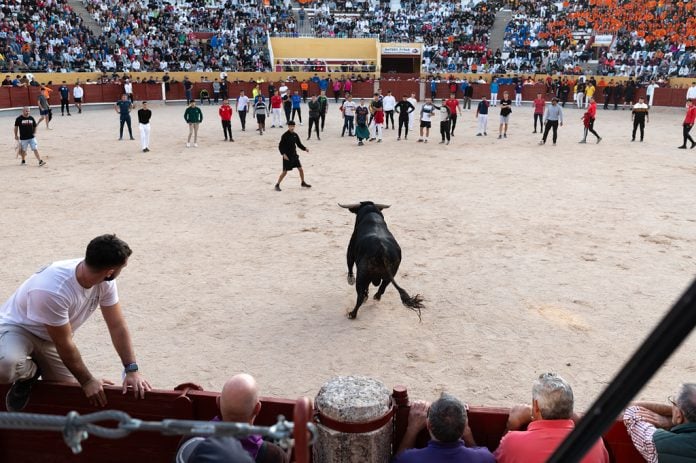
(188, 145)
(231, 139)
(398, 138)
(425, 141)
(682, 147)
(582, 141)
(360, 143)
(273, 126)
(499, 137)
(277, 187)
(505, 135)
(69, 114)
(42, 162)
(379, 141)
(543, 142)
(195, 145)
(420, 140)
(447, 142)
(479, 134)
(132, 138)
(599, 139)
(305, 185)
(442, 142)
(17, 397)
(485, 134)
(692, 144)
(371, 139)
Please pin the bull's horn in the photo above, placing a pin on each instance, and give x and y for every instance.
(349, 206)
(382, 206)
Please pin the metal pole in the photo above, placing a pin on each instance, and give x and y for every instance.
(644, 363)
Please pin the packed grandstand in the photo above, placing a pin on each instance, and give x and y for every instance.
(648, 40)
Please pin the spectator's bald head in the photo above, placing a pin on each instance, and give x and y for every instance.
(239, 400)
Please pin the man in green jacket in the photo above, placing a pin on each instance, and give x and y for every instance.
(193, 116)
(665, 432)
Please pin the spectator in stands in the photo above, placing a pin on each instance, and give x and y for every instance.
(38, 321)
(665, 433)
(549, 420)
(450, 436)
(239, 403)
(213, 449)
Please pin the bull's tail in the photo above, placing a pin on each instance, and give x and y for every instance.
(414, 303)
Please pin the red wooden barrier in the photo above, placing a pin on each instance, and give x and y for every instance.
(400, 88)
(5, 100)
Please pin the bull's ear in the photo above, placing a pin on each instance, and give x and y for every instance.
(382, 206)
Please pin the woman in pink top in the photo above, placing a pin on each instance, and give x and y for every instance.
(688, 124)
(539, 104)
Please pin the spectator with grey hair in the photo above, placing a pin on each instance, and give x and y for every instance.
(665, 432)
(450, 436)
(548, 421)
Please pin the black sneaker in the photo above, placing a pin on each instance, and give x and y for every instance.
(277, 187)
(17, 397)
(305, 185)
(42, 162)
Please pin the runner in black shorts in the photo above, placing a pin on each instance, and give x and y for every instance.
(288, 149)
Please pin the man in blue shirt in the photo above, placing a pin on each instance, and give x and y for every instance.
(123, 107)
(433, 88)
(451, 439)
(64, 99)
(296, 108)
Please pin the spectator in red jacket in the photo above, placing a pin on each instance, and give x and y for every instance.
(225, 113)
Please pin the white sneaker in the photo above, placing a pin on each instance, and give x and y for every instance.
(188, 145)
(195, 145)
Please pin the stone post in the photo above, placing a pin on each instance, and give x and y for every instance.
(355, 421)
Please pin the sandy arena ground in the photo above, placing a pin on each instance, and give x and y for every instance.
(530, 258)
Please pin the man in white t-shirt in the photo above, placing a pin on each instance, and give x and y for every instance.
(691, 92)
(38, 321)
(389, 103)
(650, 92)
(414, 102)
(242, 108)
(128, 90)
(283, 89)
(78, 93)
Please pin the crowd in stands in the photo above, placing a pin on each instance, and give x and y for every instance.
(192, 36)
(651, 39)
(43, 35)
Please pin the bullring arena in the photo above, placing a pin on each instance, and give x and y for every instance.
(530, 258)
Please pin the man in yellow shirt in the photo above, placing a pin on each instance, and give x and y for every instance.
(589, 93)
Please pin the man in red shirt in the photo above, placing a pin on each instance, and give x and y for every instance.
(276, 110)
(539, 104)
(588, 119)
(688, 124)
(549, 420)
(225, 113)
(453, 104)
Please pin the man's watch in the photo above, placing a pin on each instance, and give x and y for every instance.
(130, 368)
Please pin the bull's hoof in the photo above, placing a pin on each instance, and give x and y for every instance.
(377, 296)
(351, 315)
(351, 281)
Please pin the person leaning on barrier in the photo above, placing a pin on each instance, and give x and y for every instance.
(549, 421)
(239, 403)
(665, 433)
(450, 436)
(38, 321)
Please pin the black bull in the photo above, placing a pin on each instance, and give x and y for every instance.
(377, 256)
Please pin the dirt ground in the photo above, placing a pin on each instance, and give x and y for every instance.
(530, 258)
